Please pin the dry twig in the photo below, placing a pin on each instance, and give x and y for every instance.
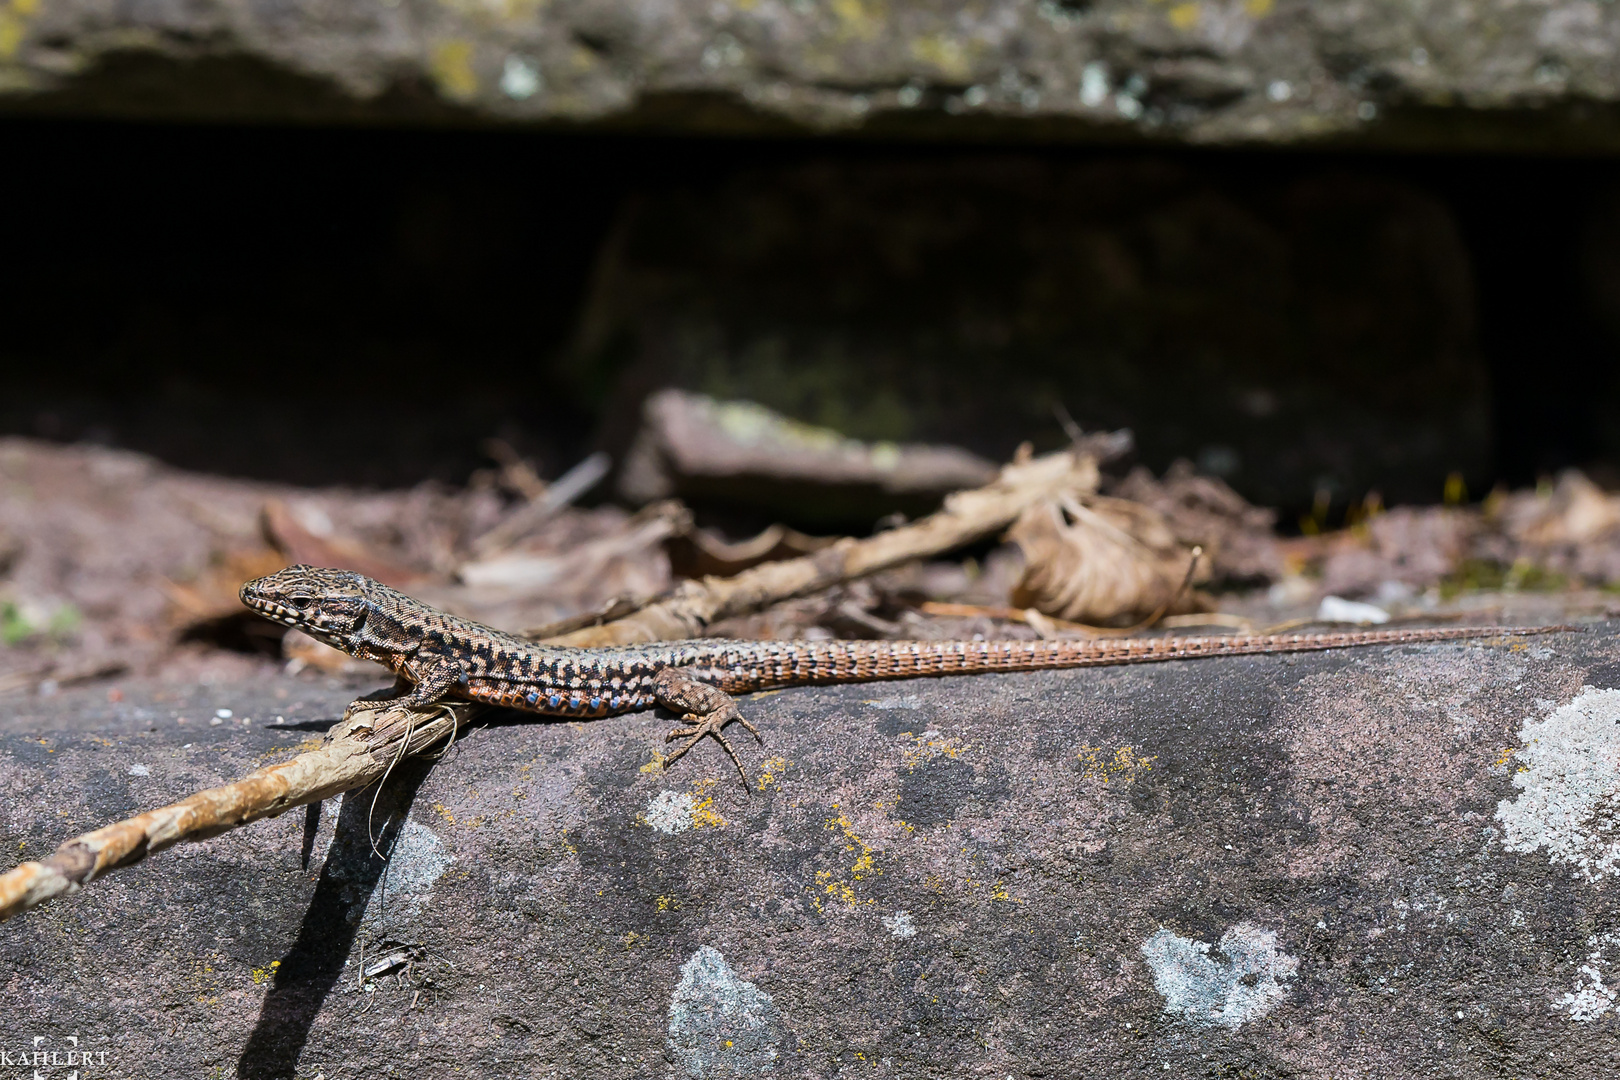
(355, 752)
(966, 517)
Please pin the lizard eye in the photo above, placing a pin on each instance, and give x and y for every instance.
(300, 602)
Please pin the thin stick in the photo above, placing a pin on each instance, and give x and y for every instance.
(967, 516)
(356, 752)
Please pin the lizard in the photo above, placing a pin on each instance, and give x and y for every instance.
(435, 655)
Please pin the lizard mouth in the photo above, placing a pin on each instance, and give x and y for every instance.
(273, 611)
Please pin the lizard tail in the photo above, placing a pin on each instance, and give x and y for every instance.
(797, 663)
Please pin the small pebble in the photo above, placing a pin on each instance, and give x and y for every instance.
(223, 714)
(139, 770)
(215, 722)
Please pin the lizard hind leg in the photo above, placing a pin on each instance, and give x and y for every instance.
(707, 709)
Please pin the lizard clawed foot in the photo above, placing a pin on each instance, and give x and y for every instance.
(707, 709)
(712, 724)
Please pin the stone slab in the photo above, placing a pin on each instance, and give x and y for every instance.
(1489, 74)
(1385, 862)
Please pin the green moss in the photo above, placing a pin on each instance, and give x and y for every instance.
(1486, 575)
(14, 626)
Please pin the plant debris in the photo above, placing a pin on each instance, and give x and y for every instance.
(1102, 561)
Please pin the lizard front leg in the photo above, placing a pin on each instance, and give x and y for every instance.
(708, 711)
(434, 676)
(419, 684)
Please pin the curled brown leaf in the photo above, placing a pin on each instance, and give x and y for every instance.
(1102, 561)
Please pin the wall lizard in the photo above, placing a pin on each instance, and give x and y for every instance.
(436, 655)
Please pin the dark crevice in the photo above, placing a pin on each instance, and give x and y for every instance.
(366, 306)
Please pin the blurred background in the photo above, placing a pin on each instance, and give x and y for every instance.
(406, 286)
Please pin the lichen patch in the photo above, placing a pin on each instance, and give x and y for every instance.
(900, 925)
(1591, 999)
(719, 1024)
(1244, 986)
(1569, 776)
(669, 812)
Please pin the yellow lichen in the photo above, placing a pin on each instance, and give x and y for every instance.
(999, 892)
(771, 772)
(1184, 16)
(1258, 9)
(499, 9)
(12, 31)
(947, 54)
(1126, 764)
(839, 884)
(925, 748)
(451, 67)
(856, 21)
(665, 903)
(704, 816)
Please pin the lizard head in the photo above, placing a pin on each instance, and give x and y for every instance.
(327, 604)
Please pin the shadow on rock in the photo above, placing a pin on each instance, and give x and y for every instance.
(315, 961)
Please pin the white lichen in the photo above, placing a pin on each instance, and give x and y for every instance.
(720, 1025)
(416, 863)
(900, 925)
(670, 812)
(1570, 778)
(1591, 999)
(520, 78)
(1243, 986)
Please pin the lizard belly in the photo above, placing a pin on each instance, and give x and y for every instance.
(556, 701)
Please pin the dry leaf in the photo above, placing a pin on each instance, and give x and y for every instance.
(1577, 512)
(299, 544)
(212, 595)
(1105, 562)
(1237, 538)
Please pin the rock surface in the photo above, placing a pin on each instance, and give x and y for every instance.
(694, 447)
(1490, 74)
(1383, 862)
